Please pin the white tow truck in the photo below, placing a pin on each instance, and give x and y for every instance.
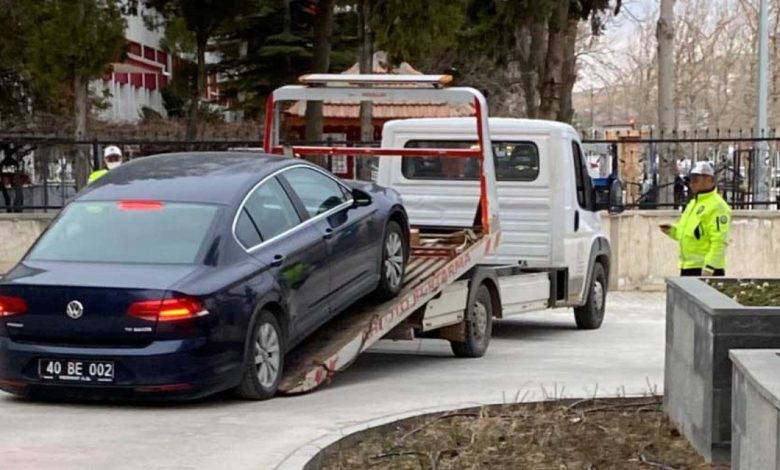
(503, 215)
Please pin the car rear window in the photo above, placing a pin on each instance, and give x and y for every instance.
(127, 232)
(514, 161)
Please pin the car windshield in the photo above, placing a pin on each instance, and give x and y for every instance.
(127, 232)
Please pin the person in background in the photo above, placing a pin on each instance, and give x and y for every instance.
(112, 158)
(703, 228)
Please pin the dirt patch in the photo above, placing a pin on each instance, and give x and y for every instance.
(750, 293)
(587, 434)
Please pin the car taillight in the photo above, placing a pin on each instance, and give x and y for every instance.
(177, 308)
(10, 306)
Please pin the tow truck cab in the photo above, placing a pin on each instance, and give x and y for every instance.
(551, 231)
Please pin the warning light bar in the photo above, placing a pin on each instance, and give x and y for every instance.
(329, 79)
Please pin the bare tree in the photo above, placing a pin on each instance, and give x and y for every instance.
(714, 58)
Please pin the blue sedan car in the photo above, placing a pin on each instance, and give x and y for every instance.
(187, 274)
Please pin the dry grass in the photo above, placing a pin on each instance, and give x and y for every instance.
(563, 435)
(750, 293)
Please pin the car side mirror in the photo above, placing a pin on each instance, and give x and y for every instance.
(360, 198)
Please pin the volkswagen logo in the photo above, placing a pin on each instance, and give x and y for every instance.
(74, 309)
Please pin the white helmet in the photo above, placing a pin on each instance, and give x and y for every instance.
(703, 168)
(112, 155)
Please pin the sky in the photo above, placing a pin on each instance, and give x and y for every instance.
(619, 33)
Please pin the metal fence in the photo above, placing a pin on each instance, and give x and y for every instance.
(41, 173)
(734, 154)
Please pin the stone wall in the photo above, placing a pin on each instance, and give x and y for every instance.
(755, 410)
(17, 233)
(644, 256)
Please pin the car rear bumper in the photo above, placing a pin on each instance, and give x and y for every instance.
(188, 368)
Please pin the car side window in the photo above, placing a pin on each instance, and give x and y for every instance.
(246, 231)
(270, 209)
(318, 192)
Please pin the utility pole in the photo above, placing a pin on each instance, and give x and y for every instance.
(366, 65)
(760, 189)
(667, 84)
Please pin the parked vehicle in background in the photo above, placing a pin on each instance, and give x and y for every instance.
(187, 274)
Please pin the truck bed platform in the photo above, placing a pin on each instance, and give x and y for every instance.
(437, 261)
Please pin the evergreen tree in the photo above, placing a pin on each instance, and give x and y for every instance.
(203, 20)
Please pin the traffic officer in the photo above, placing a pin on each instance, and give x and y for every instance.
(112, 158)
(703, 228)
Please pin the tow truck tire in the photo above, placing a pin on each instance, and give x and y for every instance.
(393, 260)
(591, 315)
(263, 359)
(478, 326)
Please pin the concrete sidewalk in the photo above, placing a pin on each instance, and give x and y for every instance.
(531, 357)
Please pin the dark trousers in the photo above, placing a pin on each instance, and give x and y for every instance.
(697, 272)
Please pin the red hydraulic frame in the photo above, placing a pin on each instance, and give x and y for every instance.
(383, 88)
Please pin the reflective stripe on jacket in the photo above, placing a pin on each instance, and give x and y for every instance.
(703, 232)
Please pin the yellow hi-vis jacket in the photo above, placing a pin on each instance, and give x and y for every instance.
(95, 175)
(703, 232)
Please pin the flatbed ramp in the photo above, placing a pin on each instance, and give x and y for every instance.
(436, 262)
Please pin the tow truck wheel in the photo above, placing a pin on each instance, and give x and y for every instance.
(393, 263)
(591, 315)
(478, 326)
(263, 359)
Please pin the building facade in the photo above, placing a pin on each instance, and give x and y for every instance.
(137, 81)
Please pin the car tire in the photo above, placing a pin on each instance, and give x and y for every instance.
(478, 326)
(263, 359)
(591, 315)
(393, 262)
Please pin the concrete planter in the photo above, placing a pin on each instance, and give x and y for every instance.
(702, 326)
(755, 410)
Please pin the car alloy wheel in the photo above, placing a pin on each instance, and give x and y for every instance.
(267, 355)
(394, 259)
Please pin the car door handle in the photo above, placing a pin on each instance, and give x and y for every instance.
(576, 221)
(278, 260)
(328, 234)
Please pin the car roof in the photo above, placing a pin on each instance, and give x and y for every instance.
(198, 177)
(497, 125)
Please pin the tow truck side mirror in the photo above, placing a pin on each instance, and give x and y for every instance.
(608, 195)
(616, 192)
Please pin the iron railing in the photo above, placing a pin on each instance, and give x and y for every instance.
(40, 172)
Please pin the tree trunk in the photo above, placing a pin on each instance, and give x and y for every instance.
(366, 67)
(666, 98)
(533, 67)
(320, 63)
(556, 45)
(569, 73)
(80, 105)
(287, 31)
(197, 92)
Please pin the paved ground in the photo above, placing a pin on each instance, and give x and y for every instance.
(531, 357)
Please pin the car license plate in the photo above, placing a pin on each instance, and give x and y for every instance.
(68, 370)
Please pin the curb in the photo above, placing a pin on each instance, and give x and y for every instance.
(304, 456)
